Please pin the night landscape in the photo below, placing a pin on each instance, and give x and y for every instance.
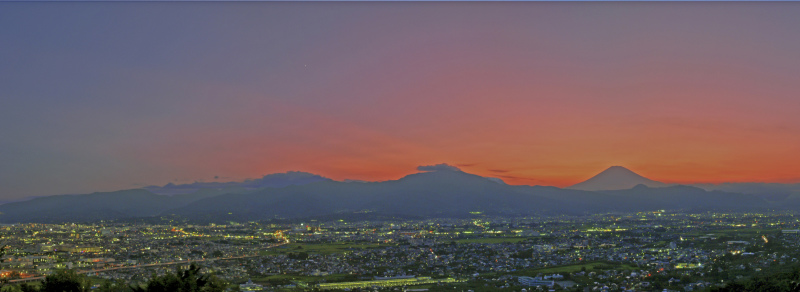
(399, 146)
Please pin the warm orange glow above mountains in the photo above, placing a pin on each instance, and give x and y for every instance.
(108, 96)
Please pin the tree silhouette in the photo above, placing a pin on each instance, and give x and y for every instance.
(65, 281)
(189, 280)
(10, 288)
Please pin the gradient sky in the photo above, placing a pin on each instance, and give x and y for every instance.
(108, 96)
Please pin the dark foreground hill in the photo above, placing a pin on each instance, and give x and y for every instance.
(443, 193)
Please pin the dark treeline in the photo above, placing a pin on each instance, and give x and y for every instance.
(189, 280)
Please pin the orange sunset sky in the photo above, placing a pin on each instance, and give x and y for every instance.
(108, 96)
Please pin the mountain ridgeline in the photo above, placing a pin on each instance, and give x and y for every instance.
(616, 178)
(440, 193)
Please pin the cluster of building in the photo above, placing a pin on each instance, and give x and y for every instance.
(609, 252)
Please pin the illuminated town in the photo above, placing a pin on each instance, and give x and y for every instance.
(408, 146)
(645, 251)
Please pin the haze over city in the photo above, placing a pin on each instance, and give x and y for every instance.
(112, 96)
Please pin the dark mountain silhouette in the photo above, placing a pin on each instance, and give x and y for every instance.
(683, 197)
(436, 193)
(439, 193)
(95, 206)
(615, 178)
(447, 193)
(768, 191)
(275, 180)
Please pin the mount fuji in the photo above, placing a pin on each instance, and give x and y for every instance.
(616, 178)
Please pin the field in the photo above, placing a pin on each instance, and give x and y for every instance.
(592, 266)
(738, 232)
(490, 240)
(319, 248)
(307, 279)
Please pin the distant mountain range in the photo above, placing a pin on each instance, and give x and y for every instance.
(769, 191)
(276, 180)
(440, 192)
